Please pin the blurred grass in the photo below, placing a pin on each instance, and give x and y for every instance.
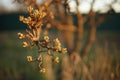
(14, 66)
(13, 63)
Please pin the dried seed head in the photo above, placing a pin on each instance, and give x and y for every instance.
(35, 20)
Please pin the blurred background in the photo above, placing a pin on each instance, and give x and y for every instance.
(13, 63)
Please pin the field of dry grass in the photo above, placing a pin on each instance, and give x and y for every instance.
(103, 61)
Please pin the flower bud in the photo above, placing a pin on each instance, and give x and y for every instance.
(64, 50)
(21, 36)
(56, 60)
(46, 38)
(29, 58)
(25, 44)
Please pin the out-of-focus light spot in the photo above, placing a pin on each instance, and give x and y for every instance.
(8, 5)
(72, 5)
(97, 5)
(39, 1)
(116, 7)
(104, 9)
(118, 1)
(100, 6)
(84, 7)
(108, 1)
(90, 1)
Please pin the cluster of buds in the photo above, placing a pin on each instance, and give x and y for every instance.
(36, 17)
(35, 20)
(42, 70)
(57, 45)
(21, 36)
